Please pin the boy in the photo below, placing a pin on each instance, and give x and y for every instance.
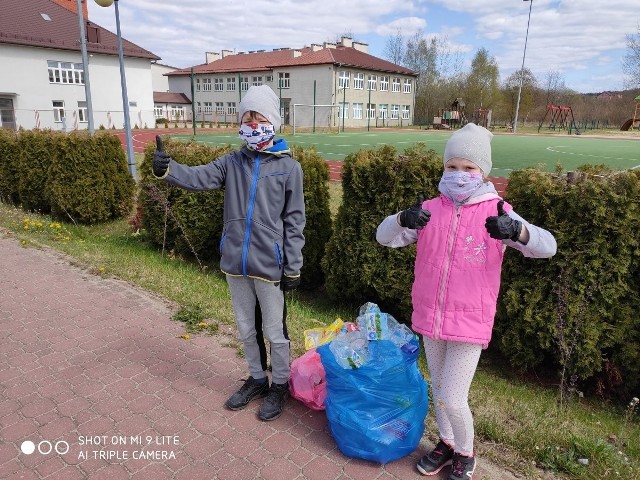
(262, 239)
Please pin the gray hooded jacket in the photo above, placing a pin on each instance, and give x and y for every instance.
(263, 209)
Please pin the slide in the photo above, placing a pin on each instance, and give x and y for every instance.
(626, 125)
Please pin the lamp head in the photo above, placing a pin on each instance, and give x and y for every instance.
(104, 3)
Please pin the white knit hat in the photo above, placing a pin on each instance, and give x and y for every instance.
(472, 143)
(263, 100)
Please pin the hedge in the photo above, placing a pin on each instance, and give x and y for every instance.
(190, 223)
(74, 177)
(377, 183)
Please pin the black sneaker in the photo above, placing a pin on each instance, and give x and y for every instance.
(251, 389)
(273, 404)
(435, 461)
(462, 467)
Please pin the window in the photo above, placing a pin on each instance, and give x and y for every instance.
(58, 110)
(158, 112)
(395, 110)
(343, 110)
(395, 84)
(199, 107)
(231, 107)
(284, 80)
(176, 112)
(384, 84)
(357, 110)
(133, 104)
(269, 78)
(231, 84)
(372, 81)
(65, 72)
(197, 84)
(256, 81)
(407, 85)
(207, 107)
(93, 34)
(405, 112)
(206, 84)
(343, 80)
(382, 111)
(371, 110)
(218, 84)
(220, 108)
(82, 112)
(358, 81)
(244, 84)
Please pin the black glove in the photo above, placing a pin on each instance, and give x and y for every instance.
(161, 159)
(503, 226)
(288, 283)
(415, 217)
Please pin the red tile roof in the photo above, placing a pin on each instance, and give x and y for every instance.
(21, 23)
(170, 97)
(257, 61)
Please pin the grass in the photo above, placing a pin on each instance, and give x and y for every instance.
(509, 151)
(519, 425)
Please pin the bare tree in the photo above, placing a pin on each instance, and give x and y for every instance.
(394, 49)
(631, 61)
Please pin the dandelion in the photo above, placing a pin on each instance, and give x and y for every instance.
(102, 269)
(203, 325)
(186, 336)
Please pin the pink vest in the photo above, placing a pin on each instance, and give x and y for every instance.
(457, 272)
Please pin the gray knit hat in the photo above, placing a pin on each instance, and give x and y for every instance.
(472, 143)
(263, 100)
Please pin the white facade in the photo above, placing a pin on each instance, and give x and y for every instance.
(158, 79)
(25, 85)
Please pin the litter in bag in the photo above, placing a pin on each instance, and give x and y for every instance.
(307, 381)
(376, 412)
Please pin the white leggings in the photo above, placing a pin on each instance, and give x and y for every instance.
(452, 366)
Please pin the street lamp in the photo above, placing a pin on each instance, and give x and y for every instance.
(123, 82)
(85, 68)
(515, 121)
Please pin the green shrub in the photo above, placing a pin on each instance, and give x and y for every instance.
(9, 161)
(38, 151)
(577, 310)
(192, 223)
(188, 222)
(88, 179)
(377, 183)
(318, 228)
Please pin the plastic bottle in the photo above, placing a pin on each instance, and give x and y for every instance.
(350, 349)
(401, 335)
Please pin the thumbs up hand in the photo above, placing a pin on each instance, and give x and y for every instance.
(503, 226)
(161, 159)
(414, 217)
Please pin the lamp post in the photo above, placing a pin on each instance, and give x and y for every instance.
(344, 104)
(85, 68)
(515, 120)
(123, 82)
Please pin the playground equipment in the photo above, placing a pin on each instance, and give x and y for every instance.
(453, 117)
(560, 119)
(635, 121)
(482, 117)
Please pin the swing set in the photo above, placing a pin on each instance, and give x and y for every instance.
(561, 118)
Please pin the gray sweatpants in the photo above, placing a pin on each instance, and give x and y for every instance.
(244, 292)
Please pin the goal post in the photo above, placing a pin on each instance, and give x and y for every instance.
(316, 118)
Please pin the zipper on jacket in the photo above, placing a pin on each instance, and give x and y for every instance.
(445, 273)
(252, 199)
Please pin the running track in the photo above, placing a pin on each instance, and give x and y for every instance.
(142, 138)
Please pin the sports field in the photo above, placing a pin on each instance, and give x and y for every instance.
(510, 152)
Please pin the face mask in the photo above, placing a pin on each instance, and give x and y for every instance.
(257, 135)
(459, 186)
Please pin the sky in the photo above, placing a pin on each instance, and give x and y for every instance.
(583, 40)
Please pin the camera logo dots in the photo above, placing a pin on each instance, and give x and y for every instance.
(45, 447)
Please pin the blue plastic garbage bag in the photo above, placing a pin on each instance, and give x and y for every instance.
(376, 412)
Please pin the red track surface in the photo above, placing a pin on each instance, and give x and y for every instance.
(142, 137)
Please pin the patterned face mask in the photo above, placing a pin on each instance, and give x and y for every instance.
(459, 186)
(257, 135)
